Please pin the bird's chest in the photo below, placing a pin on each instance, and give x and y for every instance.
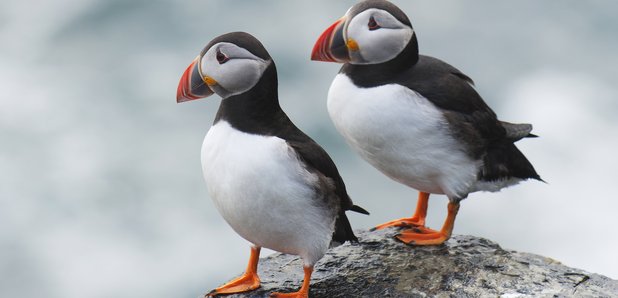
(395, 129)
(386, 122)
(252, 178)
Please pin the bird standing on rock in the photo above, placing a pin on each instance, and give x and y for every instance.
(415, 118)
(273, 184)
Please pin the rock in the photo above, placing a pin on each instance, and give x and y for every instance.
(465, 266)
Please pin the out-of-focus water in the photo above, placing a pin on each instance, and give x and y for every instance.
(101, 193)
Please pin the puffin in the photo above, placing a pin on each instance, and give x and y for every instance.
(415, 118)
(274, 185)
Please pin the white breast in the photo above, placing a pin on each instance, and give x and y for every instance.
(403, 135)
(263, 191)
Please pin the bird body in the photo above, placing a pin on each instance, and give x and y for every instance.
(373, 121)
(434, 146)
(257, 182)
(416, 118)
(272, 183)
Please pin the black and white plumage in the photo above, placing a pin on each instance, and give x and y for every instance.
(272, 183)
(415, 118)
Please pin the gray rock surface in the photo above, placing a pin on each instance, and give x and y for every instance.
(465, 266)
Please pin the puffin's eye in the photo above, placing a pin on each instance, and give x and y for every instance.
(373, 25)
(222, 58)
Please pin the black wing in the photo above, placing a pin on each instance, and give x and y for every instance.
(471, 120)
(317, 160)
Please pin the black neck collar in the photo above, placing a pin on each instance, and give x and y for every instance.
(256, 111)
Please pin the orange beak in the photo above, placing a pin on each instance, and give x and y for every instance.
(192, 85)
(331, 46)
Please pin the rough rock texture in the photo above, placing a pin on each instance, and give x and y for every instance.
(465, 266)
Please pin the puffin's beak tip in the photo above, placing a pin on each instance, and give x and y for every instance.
(191, 85)
(329, 47)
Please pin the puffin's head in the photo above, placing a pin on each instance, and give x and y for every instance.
(230, 64)
(371, 32)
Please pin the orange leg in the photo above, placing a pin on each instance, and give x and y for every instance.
(304, 289)
(426, 236)
(417, 220)
(246, 282)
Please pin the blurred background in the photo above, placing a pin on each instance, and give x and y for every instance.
(101, 191)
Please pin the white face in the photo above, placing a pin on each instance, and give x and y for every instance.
(379, 35)
(229, 69)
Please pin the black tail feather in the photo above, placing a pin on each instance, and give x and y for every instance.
(359, 209)
(343, 230)
(503, 160)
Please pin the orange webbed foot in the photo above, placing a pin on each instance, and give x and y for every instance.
(402, 222)
(424, 237)
(247, 282)
(427, 236)
(417, 220)
(244, 283)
